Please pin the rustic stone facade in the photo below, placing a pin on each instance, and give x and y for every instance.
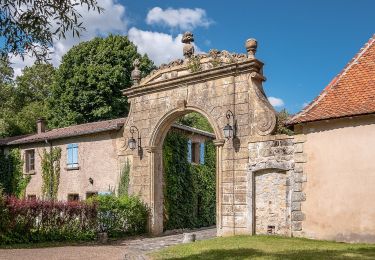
(276, 169)
(210, 84)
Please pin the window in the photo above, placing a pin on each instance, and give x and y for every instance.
(73, 197)
(72, 156)
(31, 197)
(195, 152)
(30, 160)
(189, 151)
(201, 153)
(91, 194)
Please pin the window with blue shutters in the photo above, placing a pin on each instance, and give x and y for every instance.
(201, 153)
(189, 151)
(72, 155)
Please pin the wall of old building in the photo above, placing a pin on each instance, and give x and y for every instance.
(97, 157)
(340, 169)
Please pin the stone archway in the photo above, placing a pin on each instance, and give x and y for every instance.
(210, 84)
(155, 150)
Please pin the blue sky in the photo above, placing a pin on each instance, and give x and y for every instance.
(303, 44)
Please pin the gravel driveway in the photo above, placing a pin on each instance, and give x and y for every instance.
(122, 249)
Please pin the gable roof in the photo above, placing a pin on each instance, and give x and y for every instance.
(70, 131)
(350, 93)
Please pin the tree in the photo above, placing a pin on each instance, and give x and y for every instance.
(282, 118)
(23, 101)
(89, 82)
(196, 120)
(31, 25)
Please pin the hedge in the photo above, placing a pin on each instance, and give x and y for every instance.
(27, 221)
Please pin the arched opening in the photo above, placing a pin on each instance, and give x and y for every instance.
(184, 165)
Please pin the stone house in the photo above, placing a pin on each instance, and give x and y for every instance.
(338, 133)
(89, 156)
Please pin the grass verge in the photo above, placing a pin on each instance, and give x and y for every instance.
(266, 247)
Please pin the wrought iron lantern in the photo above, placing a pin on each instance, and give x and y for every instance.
(229, 131)
(132, 143)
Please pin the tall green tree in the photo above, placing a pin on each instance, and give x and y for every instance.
(90, 78)
(23, 101)
(6, 94)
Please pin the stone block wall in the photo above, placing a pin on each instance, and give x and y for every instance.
(276, 176)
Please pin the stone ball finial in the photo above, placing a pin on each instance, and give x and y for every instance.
(136, 73)
(187, 39)
(251, 47)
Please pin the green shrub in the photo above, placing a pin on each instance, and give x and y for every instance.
(119, 216)
(26, 221)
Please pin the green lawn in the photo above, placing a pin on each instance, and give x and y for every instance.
(266, 247)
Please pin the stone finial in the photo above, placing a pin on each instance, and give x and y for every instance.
(188, 49)
(251, 47)
(136, 73)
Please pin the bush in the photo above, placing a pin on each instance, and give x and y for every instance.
(24, 221)
(119, 216)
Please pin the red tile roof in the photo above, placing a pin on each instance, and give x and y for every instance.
(350, 93)
(59, 133)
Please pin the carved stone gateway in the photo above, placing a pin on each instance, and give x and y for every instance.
(210, 84)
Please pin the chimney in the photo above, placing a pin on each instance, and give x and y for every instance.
(41, 125)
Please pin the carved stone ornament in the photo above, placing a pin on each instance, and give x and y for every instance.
(136, 73)
(264, 114)
(188, 49)
(251, 47)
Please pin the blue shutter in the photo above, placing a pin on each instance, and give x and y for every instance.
(201, 153)
(75, 154)
(72, 155)
(189, 151)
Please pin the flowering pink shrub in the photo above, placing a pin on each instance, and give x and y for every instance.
(23, 221)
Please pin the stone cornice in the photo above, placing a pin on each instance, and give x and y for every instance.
(248, 66)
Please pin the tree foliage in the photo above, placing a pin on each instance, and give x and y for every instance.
(282, 118)
(24, 100)
(89, 82)
(31, 26)
(196, 120)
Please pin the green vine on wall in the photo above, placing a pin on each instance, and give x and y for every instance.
(189, 189)
(11, 175)
(123, 188)
(51, 172)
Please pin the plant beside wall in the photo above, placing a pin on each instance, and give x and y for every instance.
(28, 221)
(11, 175)
(51, 172)
(123, 188)
(119, 216)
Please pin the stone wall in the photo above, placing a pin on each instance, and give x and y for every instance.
(276, 177)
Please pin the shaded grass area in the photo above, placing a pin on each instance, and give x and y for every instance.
(266, 247)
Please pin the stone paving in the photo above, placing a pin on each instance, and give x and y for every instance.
(129, 249)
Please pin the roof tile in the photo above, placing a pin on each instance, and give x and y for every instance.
(350, 93)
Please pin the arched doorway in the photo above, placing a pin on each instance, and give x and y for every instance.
(214, 85)
(156, 142)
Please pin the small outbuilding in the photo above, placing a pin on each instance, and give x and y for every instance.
(339, 147)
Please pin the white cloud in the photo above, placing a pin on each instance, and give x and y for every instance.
(276, 102)
(182, 18)
(112, 20)
(160, 47)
